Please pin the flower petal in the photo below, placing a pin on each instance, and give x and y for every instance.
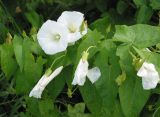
(149, 82)
(94, 74)
(73, 21)
(149, 74)
(46, 37)
(43, 82)
(147, 70)
(38, 89)
(72, 37)
(80, 73)
(71, 18)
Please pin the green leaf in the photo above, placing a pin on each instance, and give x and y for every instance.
(8, 63)
(72, 54)
(3, 32)
(26, 80)
(110, 70)
(18, 50)
(144, 14)
(103, 25)
(35, 48)
(34, 18)
(77, 110)
(92, 39)
(40, 108)
(124, 34)
(101, 5)
(69, 75)
(139, 2)
(91, 98)
(156, 112)
(139, 35)
(47, 108)
(32, 46)
(131, 92)
(80, 107)
(23, 114)
(55, 87)
(117, 110)
(155, 4)
(32, 107)
(154, 59)
(32, 70)
(121, 7)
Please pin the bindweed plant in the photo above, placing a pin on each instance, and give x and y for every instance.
(67, 67)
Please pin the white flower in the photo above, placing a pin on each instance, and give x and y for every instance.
(82, 71)
(43, 82)
(75, 23)
(52, 37)
(150, 76)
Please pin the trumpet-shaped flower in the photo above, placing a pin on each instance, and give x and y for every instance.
(82, 72)
(149, 74)
(43, 82)
(74, 21)
(52, 37)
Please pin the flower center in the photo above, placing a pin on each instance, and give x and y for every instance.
(57, 37)
(72, 28)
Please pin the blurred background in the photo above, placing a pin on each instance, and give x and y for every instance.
(18, 15)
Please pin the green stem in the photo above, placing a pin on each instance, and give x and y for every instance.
(75, 89)
(56, 60)
(90, 48)
(156, 111)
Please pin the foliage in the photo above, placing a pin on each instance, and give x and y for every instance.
(121, 30)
